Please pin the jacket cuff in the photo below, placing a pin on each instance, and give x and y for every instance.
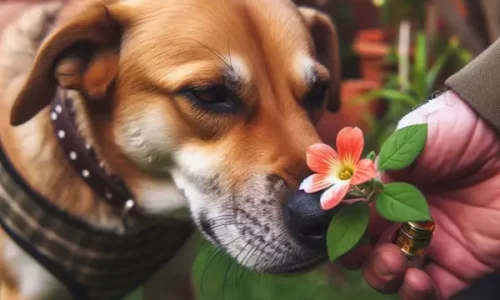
(478, 83)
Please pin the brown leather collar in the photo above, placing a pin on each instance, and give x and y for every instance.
(84, 160)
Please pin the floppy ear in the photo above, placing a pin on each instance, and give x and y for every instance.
(325, 39)
(81, 54)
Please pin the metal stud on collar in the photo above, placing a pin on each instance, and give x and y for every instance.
(127, 207)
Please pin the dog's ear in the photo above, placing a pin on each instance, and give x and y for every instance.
(82, 54)
(324, 35)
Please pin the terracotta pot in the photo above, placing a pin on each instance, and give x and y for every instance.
(350, 114)
(372, 48)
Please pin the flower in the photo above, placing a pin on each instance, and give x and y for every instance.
(338, 171)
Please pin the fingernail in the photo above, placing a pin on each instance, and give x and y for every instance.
(420, 114)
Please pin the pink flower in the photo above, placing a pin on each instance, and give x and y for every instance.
(338, 171)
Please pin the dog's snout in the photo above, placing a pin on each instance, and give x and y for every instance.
(306, 220)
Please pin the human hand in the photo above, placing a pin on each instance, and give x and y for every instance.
(459, 173)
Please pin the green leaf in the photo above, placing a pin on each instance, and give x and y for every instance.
(402, 202)
(372, 156)
(437, 67)
(385, 94)
(347, 228)
(403, 147)
(420, 66)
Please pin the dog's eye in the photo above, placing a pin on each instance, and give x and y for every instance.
(216, 98)
(316, 96)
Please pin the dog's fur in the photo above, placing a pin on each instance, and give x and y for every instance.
(232, 170)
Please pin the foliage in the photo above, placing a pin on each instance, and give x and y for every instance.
(218, 277)
(402, 148)
(396, 202)
(401, 100)
(401, 202)
(342, 15)
(347, 228)
(393, 11)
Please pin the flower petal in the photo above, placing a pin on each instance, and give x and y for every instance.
(321, 158)
(350, 144)
(315, 183)
(334, 195)
(365, 170)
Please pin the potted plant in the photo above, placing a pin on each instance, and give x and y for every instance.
(352, 113)
(401, 94)
(371, 46)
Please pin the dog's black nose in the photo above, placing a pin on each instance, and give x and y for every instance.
(307, 221)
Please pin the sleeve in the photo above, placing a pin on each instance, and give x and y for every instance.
(478, 83)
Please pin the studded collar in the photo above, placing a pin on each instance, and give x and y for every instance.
(84, 160)
(93, 263)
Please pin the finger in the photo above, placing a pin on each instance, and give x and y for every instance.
(385, 268)
(447, 284)
(417, 285)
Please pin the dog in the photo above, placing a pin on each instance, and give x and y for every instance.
(204, 110)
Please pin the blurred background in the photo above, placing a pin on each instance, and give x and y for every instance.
(395, 54)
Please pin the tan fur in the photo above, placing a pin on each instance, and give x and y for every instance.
(127, 100)
(10, 293)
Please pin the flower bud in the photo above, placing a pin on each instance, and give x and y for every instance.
(372, 156)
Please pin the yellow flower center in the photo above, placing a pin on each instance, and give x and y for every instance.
(346, 173)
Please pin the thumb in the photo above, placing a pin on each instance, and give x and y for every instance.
(421, 114)
(378, 225)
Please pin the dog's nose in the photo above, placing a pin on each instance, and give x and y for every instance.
(307, 221)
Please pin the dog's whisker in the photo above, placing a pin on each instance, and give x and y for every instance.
(246, 259)
(234, 262)
(220, 218)
(280, 239)
(256, 248)
(239, 278)
(231, 263)
(217, 253)
(217, 54)
(228, 224)
(229, 53)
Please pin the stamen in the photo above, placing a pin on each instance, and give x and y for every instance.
(346, 173)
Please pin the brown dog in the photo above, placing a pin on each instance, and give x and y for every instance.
(201, 104)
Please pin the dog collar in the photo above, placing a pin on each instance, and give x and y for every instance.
(93, 263)
(83, 158)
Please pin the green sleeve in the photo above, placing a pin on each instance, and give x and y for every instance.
(478, 83)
